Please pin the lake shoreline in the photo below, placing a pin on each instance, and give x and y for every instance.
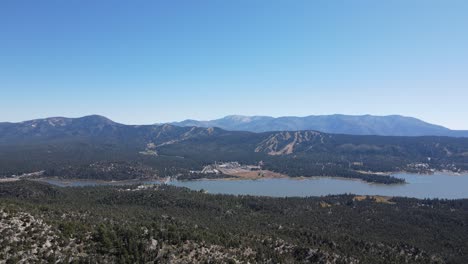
(67, 182)
(299, 178)
(440, 186)
(275, 175)
(420, 186)
(70, 182)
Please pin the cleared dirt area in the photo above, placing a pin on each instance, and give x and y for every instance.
(253, 175)
(8, 179)
(375, 198)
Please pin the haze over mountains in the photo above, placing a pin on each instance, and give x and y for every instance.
(103, 127)
(392, 125)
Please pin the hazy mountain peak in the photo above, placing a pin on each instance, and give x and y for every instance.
(245, 119)
(96, 118)
(391, 125)
(62, 121)
(239, 118)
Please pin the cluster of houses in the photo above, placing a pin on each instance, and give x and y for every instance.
(219, 168)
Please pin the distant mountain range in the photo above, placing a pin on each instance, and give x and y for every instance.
(393, 125)
(94, 128)
(58, 142)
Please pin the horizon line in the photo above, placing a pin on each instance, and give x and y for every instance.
(233, 115)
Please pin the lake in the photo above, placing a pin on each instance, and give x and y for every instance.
(439, 185)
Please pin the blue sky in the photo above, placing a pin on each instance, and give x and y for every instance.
(156, 61)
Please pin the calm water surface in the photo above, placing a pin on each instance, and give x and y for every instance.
(439, 185)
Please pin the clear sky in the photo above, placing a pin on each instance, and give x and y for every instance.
(156, 61)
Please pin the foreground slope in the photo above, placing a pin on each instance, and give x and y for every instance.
(41, 223)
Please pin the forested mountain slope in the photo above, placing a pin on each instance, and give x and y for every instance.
(168, 224)
(167, 150)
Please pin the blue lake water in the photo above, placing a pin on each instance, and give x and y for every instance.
(439, 185)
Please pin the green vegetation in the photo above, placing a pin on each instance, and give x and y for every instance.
(87, 148)
(170, 224)
(104, 171)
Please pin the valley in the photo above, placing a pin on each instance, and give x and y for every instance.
(91, 190)
(95, 147)
(233, 132)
